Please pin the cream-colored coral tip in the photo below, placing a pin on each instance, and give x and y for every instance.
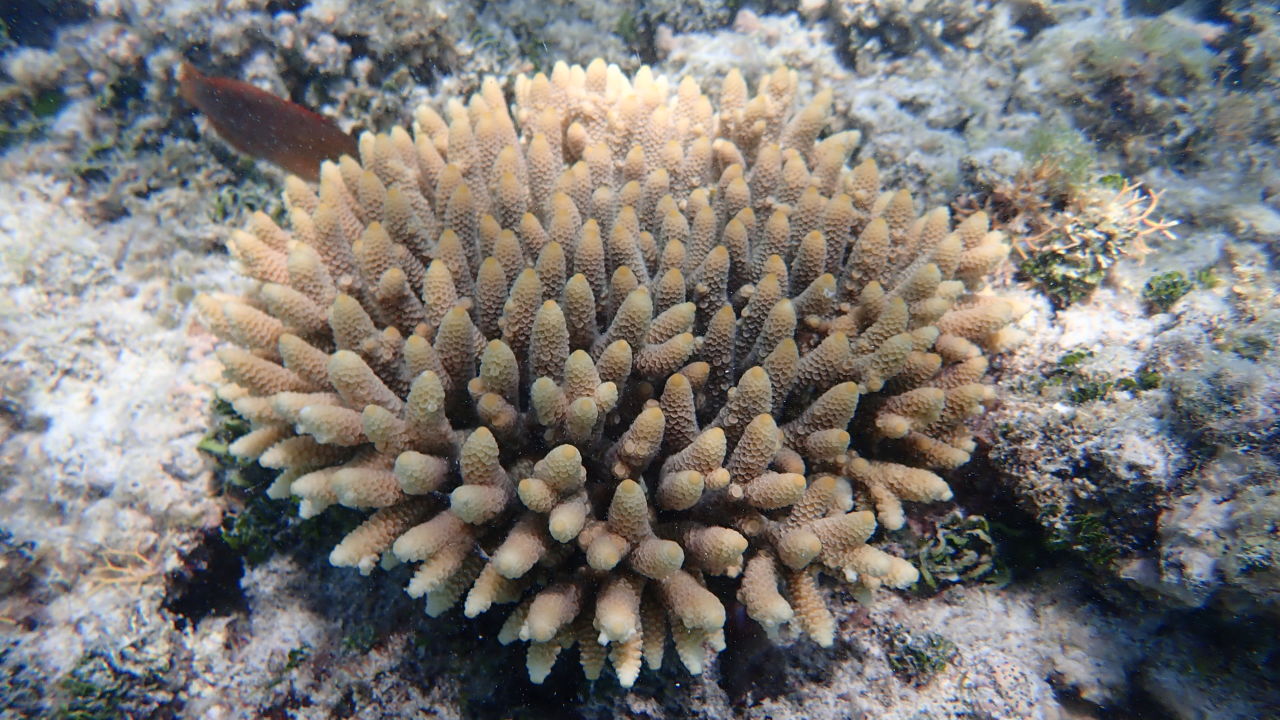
(717, 479)
(363, 546)
(901, 573)
(562, 468)
(359, 487)
(893, 426)
(548, 401)
(606, 551)
(639, 444)
(426, 399)
(843, 531)
(704, 454)
(536, 495)
(424, 540)
(759, 592)
(656, 558)
(798, 548)
(499, 371)
(760, 442)
(477, 504)
(255, 443)
(258, 375)
(629, 511)
(358, 385)
(681, 490)
(386, 429)
(834, 409)
(717, 550)
(479, 459)
(419, 474)
(567, 520)
(581, 419)
(552, 609)
(549, 341)
(606, 396)
(827, 445)
(618, 610)
(332, 425)
(812, 612)
(522, 548)
(489, 588)
(771, 491)
(692, 604)
(580, 375)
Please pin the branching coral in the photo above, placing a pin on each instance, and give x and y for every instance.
(1072, 236)
(580, 357)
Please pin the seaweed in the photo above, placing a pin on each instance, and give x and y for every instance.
(1082, 386)
(960, 550)
(102, 686)
(917, 657)
(1161, 291)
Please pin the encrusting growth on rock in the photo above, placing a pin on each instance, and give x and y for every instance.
(578, 354)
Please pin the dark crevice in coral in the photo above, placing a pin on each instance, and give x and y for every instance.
(1121, 117)
(1203, 10)
(1237, 73)
(492, 682)
(1032, 17)
(1020, 541)
(1226, 648)
(359, 45)
(297, 78)
(1139, 705)
(1213, 11)
(750, 660)
(345, 707)
(286, 708)
(426, 73)
(1135, 707)
(639, 35)
(293, 6)
(900, 36)
(257, 527)
(841, 41)
(24, 588)
(441, 653)
(36, 23)
(1212, 411)
(126, 89)
(14, 417)
(207, 584)
(914, 107)
(1145, 8)
(554, 698)
(1077, 542)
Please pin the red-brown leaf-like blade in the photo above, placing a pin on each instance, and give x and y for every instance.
(260, 124)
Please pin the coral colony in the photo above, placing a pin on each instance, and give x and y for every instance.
(579, 354)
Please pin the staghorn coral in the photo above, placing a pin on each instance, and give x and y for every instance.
(578, 357)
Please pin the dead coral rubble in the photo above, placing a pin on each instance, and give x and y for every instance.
(579, 357)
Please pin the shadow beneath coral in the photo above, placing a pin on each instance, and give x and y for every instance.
(207, 584)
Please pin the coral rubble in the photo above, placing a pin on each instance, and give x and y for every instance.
(580, 357)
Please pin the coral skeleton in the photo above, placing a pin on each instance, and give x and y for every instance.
(579, 353)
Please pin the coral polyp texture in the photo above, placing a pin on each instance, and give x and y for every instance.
(579, 354)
